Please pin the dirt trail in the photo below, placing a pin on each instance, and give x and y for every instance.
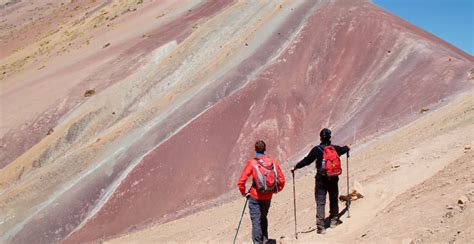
(408, 177)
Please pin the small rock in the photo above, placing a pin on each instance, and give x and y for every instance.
(395, 166)
(50, 131)
(449, 207)
(89, 93)
(448, 215)
(467, 148)
(463, 199)
(21, 173)
(36, 164)
(106, 45)
(424, 110)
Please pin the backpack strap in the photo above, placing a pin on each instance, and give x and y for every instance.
(321, 148)
(257, 160)
(254, 185)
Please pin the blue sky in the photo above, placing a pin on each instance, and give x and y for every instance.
(451, 20)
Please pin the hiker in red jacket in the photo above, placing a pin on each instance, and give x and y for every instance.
(326, 182)
(267, 179)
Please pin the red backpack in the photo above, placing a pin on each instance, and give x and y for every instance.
(265, 176)
(331, 162)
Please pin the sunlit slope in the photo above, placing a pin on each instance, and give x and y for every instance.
(182, 94)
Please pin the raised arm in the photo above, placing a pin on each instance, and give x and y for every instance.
(308, 159)
(342, 150)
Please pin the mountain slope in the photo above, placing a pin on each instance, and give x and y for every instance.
(433, 168)
(182, 92)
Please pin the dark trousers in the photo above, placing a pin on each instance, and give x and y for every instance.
(326, 185)
(258, 215)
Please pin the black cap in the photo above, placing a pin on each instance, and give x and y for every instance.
(325, 134)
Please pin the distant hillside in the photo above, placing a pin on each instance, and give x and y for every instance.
(119, 114)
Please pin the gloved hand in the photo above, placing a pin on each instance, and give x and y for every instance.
(246, 194)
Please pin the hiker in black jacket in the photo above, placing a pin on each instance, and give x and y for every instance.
(324, 183)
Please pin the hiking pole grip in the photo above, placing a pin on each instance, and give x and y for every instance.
(241, 217)
(294, 202)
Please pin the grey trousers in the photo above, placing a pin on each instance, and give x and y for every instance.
(258, 215)
(325, 185)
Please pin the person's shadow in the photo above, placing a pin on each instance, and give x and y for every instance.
(344, 210)
(271, 241)
(327, 221)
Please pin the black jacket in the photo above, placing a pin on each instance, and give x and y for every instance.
(317, 154)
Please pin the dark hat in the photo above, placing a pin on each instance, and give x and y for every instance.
(325, 134)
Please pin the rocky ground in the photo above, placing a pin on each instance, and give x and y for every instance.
(417, 181)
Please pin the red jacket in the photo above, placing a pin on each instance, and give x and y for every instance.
(248, 172)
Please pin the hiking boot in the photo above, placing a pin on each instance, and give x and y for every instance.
(321, 231)
(335, 222)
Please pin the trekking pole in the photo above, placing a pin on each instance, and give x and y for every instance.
(241, 217)
(348, 197)
(294, 202)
